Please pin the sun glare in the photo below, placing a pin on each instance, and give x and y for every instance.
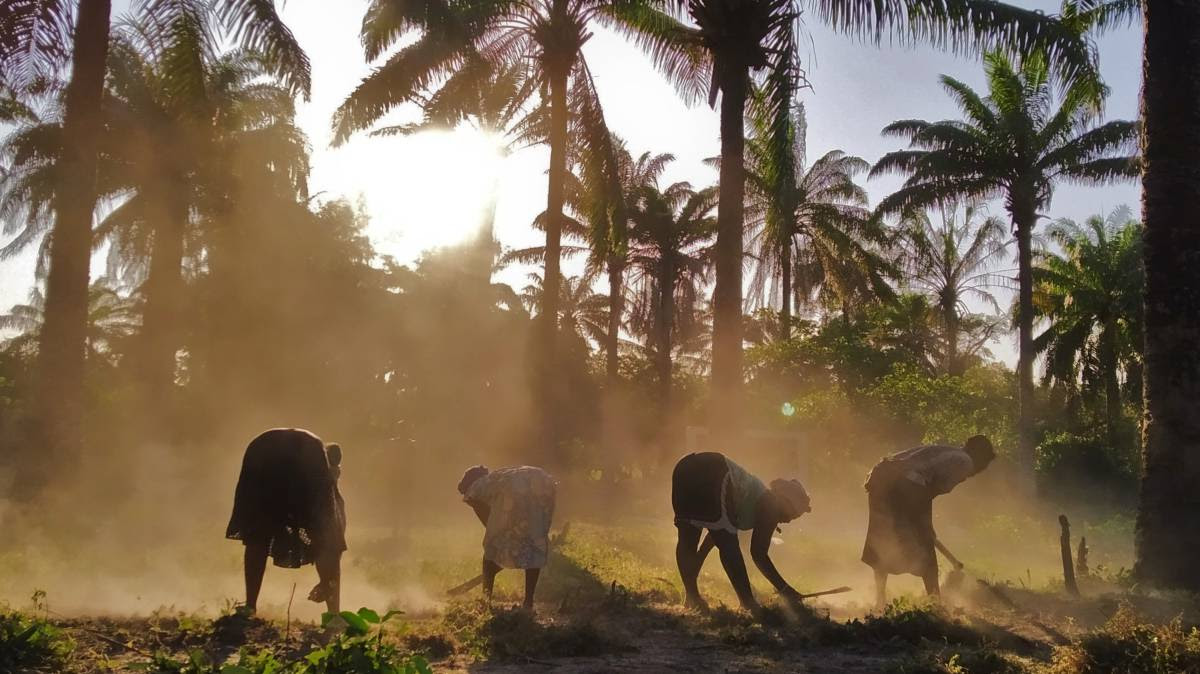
(429, 190)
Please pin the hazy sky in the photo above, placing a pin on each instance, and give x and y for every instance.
(430, 190)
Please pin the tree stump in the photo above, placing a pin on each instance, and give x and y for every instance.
(1068, 565)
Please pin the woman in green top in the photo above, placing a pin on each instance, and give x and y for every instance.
(708, 491)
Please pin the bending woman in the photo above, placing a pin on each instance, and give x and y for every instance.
(287, 507)
(515, 506)
(708, 491)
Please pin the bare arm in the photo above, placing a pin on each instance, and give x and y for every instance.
(765, 522)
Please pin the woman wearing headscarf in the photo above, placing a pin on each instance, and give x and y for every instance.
(711, 492)
(900, 492)
(515, 506)
(287, 506)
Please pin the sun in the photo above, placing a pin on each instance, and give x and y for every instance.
(426, 190)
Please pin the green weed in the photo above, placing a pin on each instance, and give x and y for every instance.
(29, 644)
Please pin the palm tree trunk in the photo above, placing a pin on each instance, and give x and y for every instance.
(785, 308)
(616, 307)
(953, 367)
(1024, 217)
(58, 405)
(1168, 531)
(727, 293)
(164, 289)
(663, 319)
(1112, 385)
(546, 380)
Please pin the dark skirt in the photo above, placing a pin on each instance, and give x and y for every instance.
(287, 499)
(900, 532)
(697, 493)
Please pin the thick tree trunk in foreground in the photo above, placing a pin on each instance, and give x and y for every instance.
(1168, 528)
(1025, 217)
(725, 402)
(58, 405)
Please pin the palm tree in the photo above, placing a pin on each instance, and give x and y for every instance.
(669, 257)
(741, 37)
(33, 35)
(818, 209)
(951, 262)
(180, 125)
(1013, 144)
(492, 98)
(186, 125)
(112, 319)
(1091, 296)
(545, 37)
(582, 313)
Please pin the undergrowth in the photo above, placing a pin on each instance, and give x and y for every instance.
(31, 644)
(487, 632)
(1127, 644)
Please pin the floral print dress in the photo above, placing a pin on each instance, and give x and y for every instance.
(520, 505)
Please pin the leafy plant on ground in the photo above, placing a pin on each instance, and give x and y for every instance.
(360, 650)
(29, 644)
(1127, 644)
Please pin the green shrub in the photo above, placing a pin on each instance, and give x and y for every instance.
(29, 644)
(359, 650)
(1078, 466)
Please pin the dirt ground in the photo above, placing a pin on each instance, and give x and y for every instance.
(1016, 630)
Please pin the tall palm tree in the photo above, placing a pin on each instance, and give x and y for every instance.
(1017, 145)
(546, 37)
(951, 262)
(741, 37)
(182, 119)
(33, 35)
(1091, 298)
(670, 243)
(180, 125)
(817, 208)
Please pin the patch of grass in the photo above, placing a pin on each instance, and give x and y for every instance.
(30, 644)
(958, 661)
(1128, 644)
(487, 632)
(907, 621)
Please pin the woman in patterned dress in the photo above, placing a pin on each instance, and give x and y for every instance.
(515, 506)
